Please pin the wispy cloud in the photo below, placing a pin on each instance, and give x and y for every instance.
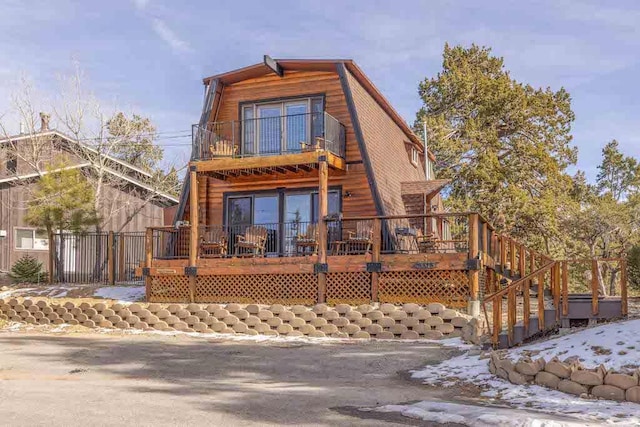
(170, 37)
(160, 27)
(140, 4)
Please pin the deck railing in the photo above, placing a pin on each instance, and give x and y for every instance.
(405, 234)
(269, 136)
(551, 283)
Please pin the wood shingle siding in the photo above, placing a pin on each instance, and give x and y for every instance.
(385, 145)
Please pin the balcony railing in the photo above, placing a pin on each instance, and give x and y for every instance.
(269, 136)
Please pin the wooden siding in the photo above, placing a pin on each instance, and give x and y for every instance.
(293, 84)
(353, 180)
(385, 144)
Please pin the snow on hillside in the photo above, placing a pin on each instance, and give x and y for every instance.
(615, 345)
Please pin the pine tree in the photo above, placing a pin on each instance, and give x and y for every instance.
(27, 270)
(504, 144)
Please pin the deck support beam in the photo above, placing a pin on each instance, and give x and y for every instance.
(474, 275)
(193, 237)
(148, 260)
(323, 211)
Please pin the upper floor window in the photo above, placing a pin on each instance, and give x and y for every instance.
(415, 156)
(281, 126)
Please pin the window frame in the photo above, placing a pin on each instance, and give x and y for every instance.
(414, 156)
(34, 238)
(282, 102)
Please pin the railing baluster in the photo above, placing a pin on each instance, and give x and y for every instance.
(623, 287)
(511, 313)
(594, 287)
(565, 288)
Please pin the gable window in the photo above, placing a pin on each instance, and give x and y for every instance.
(29, 238)
(271, 128)
(415, 156)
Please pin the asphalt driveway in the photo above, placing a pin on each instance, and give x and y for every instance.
(98, 379)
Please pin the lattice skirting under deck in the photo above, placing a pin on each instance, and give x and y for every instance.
(169, 289)
(449, 287)
(348, 288)
(294, 288)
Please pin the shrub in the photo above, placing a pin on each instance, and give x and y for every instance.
(27, 270)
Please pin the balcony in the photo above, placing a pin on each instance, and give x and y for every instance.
(269, 136)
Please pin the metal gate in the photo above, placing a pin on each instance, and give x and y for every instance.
(106, 257)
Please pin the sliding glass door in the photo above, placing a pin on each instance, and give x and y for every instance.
(285, 215)
(273, 128)
(297, 127)
(265, 212)
(269, 129)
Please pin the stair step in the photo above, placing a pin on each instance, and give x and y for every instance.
(549, 318)
(519, 334)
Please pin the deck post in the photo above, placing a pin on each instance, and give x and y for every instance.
(474, 275)
(565, 288)
(375, 256)
(624, 300)
(194, 224)
(148, 258)
(595, 288)
(485, 237)
(512, 256)
(323, 211)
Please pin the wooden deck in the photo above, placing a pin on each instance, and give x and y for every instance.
(523, 292)
(390, 271)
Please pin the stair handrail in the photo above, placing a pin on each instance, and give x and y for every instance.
(516, 282)
(510, 290)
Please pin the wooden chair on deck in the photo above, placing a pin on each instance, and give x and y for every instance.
(317, 146)
(360, 240)
(213, 243)
(253, 241)
(223, 148)
(427, 243)
(308, 239)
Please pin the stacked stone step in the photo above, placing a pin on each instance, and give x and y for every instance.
(569, 376)
(384, 321)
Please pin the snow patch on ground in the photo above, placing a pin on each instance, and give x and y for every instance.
(476, 416)
(130, 293)
(474, 369)
(616, 345)
(121, 293)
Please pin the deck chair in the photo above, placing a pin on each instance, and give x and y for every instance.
(361, 239)
(253, 241)
(223, 148)
(317, 146)
(427, 243)
(308, 239)
(213, 243)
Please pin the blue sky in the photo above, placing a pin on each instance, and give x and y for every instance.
(149, 56)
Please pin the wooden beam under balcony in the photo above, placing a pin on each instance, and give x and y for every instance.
(305, 159)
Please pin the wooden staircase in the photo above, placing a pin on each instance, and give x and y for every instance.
(534, 297)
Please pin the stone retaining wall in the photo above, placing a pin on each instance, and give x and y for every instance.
(409, 321)
(569, 376)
